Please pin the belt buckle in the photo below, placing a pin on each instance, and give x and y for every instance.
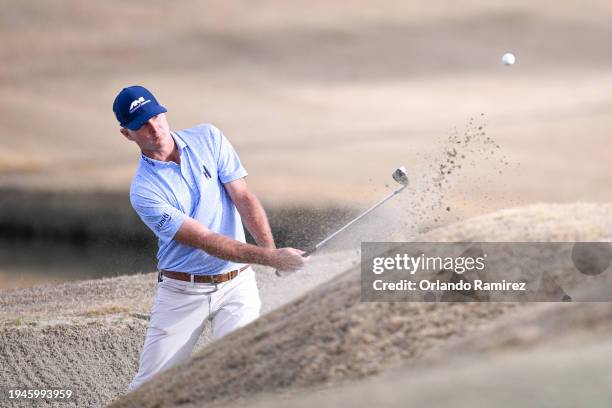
(214, 283)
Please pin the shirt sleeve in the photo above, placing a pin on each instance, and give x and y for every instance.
(161, 217)
(229, 167)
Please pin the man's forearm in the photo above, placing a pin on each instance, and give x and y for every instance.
(195, 235)
(255, 219)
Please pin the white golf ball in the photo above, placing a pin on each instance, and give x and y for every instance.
(508, 59)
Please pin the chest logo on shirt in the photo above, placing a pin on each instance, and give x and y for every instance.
(206, 172)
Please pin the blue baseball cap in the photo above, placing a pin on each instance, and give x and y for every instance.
(134, 106)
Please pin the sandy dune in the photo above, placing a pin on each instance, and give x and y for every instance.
(545, 355)
(329, 337)
(89, 334)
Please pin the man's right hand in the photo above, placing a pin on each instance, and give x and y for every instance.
(288, 259)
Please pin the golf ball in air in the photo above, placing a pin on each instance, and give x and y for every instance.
(508, 59)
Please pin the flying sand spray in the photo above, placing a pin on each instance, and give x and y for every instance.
(399, 175)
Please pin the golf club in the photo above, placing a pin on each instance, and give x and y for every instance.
(399, 175)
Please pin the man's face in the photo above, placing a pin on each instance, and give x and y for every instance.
(152, 136)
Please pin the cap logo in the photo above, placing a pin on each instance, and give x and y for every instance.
(137, 103)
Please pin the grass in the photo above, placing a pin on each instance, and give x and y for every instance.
(105, 311)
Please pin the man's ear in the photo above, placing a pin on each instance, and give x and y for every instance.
(125, 133)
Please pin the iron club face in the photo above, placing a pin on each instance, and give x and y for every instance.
(401, 176)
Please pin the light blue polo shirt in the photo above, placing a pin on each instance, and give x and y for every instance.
(165, 193)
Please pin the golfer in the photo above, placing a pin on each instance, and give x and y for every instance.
(190, 190)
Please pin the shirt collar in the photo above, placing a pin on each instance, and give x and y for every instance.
(179, 141)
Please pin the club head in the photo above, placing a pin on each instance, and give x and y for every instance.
(401, 176)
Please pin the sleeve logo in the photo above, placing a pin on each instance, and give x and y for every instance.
(164, 219)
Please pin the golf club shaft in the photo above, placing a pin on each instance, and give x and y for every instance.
(363, 214)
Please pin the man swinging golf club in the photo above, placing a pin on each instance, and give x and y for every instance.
(190, 190)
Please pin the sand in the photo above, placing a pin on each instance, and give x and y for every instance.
(322, 101)
(538, 377)
(88, 334)
(329, 337)
(544, 355)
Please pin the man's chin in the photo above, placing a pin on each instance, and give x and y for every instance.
(161, 141)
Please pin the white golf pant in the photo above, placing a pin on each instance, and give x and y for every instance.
(179, 314)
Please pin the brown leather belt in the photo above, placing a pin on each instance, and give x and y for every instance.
(220, 278)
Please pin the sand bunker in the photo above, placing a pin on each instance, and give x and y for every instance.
(88, 334)
(537, 356)
(552, 376)
(329, 337)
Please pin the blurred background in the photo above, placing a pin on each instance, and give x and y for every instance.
(322, 100)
